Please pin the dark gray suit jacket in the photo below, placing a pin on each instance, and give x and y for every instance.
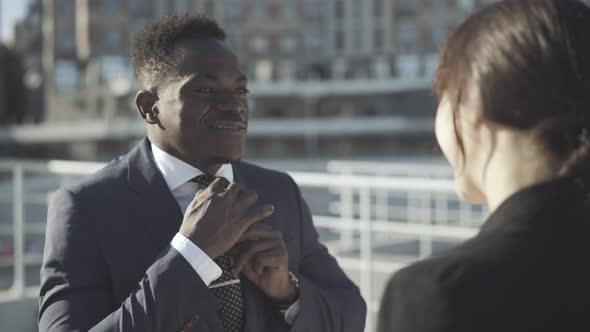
(108, 265)
(528, 270)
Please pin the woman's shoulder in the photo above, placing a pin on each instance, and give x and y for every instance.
(463, 266)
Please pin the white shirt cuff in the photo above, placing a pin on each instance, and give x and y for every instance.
(292, 312)
(205, 267)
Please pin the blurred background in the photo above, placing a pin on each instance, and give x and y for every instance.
(340, 99)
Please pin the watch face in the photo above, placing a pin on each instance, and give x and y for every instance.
(294, 279)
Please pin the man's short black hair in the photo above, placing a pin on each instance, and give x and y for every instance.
(153, 47)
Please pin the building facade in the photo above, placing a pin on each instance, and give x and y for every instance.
(305, 59)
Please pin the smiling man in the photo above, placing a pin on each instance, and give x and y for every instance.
(179, 234)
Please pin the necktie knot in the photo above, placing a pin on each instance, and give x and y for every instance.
(204, 180)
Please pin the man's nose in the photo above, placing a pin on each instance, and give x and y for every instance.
(231, 102)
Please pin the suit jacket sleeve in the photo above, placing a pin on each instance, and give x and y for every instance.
(76, 294)
(329, 300)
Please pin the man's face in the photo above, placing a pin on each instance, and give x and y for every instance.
(203, 108)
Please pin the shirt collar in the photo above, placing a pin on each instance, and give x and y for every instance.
(177, 172)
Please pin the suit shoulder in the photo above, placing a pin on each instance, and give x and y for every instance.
(463, 272)
(259, 171)
(449, 270)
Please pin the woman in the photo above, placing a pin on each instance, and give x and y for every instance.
(514, 122)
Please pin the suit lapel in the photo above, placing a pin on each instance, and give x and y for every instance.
(256, 317)
(240, 175)
(159, 212)
(160, 215)
(255, 313)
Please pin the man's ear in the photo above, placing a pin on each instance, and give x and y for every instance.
(145, 101)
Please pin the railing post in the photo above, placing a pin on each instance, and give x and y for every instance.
(366, 254)
(441, 209)
(18, 285)
(465, 214)
(346, 213)
(426, 219)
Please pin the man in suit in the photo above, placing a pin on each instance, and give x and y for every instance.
(179, 234)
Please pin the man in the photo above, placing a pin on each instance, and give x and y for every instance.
(150, 244)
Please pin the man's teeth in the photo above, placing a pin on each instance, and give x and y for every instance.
(225, 127)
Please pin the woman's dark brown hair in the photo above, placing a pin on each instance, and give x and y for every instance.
(529, 63)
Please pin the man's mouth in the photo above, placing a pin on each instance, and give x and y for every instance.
(228, 125)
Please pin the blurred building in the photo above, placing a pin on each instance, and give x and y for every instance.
(28, 42)
(86, 53)
(375, 60)
(86, 56)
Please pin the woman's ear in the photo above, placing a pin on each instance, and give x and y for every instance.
(145, 101)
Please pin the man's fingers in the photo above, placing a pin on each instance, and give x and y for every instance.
(255, 216)
(218, 185)
(260, 232)
(233, 190)
(246, 199)
(272, 258)
(249, 272)
(248, 252)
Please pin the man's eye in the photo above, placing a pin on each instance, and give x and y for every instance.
(205, 90)
(242, 91)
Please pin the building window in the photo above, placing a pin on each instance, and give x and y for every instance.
(112, 67)
(113, 35)
(286, 70)
(438, 36)
(67, 39)
(140, 8)
(408, 38)
(235, 40)
(358, 38)
(339, 40)
(430, 64)
(210, 8)
(406, 8)
(113, 4)
(315, 8)
(66, 75)
(357, 9)
(381, 67)
(451, 4)
(288, 7)
(378, 39)
(288, 43)
(65, 27)
(466, 5)
(440, 5)
(408, 66)
(259, 44)
(339, 68)
(339, 9)
(233, 10)
(378, 8)
(259, 10)
(313, 40)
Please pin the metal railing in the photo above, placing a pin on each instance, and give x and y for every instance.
(463, 214)
(370, 244)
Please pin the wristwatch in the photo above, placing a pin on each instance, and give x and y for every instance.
(284, 306)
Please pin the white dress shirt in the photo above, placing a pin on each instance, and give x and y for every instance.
(177, 175)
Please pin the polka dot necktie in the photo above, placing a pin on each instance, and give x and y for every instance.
(232, 312)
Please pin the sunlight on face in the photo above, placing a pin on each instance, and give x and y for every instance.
(464, 165)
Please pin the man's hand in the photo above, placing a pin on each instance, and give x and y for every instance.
(261, 255)
(219, 215)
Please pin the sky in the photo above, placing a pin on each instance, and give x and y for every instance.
(10, 12)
